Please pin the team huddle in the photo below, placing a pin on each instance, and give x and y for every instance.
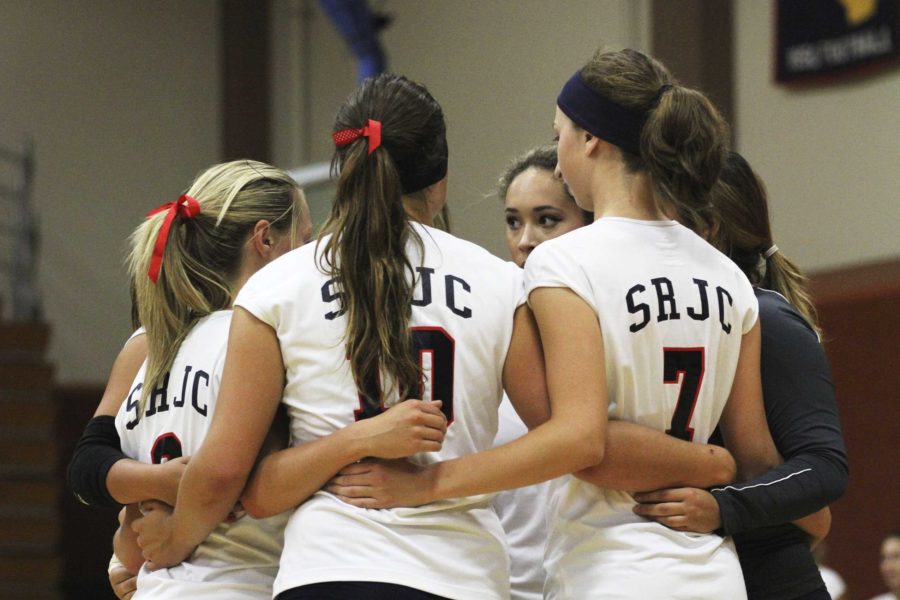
(635, 406)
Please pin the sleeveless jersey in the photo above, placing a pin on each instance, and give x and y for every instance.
(461, 325)
(672, 310)
(238, 560)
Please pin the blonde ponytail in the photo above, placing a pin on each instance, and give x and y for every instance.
(203, 254)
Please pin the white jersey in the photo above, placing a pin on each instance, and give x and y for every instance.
(523, 514)
(461, 323)
(238, 560)
(672, 310)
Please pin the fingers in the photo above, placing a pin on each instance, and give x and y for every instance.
(429, 412)
(357, 492)
(668, 495)
(676, 522)
(670, 514)
(357, 468)
(148, 506)
(660, 509)
(435, 421)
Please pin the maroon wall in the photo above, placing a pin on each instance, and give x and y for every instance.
(859, 311)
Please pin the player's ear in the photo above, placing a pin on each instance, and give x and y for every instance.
(591, 143)
(261, 238)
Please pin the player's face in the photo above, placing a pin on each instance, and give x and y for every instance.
(570, 159)
(537, 209)
(890, 562)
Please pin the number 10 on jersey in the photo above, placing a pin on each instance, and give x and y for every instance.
(434, 350)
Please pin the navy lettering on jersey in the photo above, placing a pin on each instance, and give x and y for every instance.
(425, 277)
(633, 308)
(423, 295)
(449, 281)
(132, 404)
(194, 392)
(160, 394)
(158, 402)
(330, 294)
(179, 401)
(667, 307)
(722, 294)
(665, 299)
(704, 302)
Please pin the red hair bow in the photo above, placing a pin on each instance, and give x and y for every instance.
(372, 131)
(185, 206)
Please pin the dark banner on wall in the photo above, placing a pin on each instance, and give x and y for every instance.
(831, 39)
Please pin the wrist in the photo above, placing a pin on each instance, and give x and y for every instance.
(725, 466)
(353, 442)
(431, 478)
(181, 535)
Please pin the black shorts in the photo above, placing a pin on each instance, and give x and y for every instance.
(355, 590)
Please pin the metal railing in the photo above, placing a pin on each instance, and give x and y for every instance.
(19, 239)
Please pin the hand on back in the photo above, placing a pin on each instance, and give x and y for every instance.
(123, 582)
(405, 429)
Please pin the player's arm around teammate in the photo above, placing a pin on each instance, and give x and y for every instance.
(99, 474)
(539, 207)
(799, 395)
(251, 391)
(800, 409)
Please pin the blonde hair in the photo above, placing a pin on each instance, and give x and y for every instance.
(684, 138)
(203, 254)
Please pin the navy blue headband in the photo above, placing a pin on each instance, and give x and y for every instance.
(601, 116)
(413, 177)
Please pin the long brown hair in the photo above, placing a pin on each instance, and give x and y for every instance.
(744, 233)
(203, 254)
(683, 140)
(370, 230)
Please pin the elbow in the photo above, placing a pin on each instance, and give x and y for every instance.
(725, 469)
(586, 447)
(255, 508)
(837, 482)
(224, 479)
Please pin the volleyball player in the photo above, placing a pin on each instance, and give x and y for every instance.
(672, 320)
(383, 308)
(537, 207)
(187, 264)
(800, 409)
(187, 260)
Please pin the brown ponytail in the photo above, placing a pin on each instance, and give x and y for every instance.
(744, 233)
(367, 249)
(683, 140)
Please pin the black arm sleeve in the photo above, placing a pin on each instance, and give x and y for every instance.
(803, 418)
(97, 451)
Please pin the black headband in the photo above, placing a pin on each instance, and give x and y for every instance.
(413, 177)
(601, 116)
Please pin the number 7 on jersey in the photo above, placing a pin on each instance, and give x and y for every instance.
(685, 366)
